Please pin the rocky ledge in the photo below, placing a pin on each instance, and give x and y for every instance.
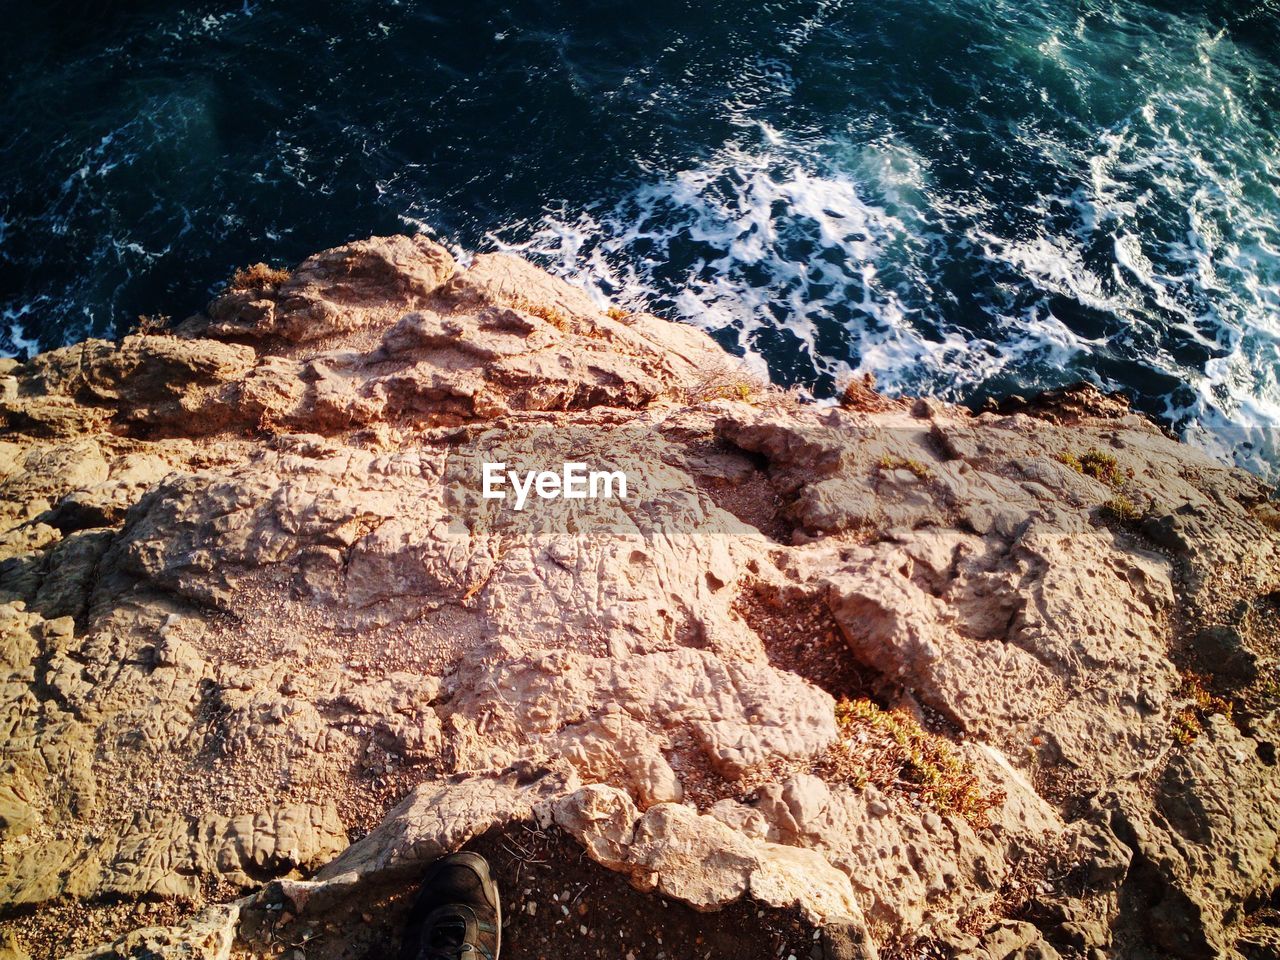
(907, 679)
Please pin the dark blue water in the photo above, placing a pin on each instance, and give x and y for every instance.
(965, 197)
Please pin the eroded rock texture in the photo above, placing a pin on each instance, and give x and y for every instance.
(997, 685)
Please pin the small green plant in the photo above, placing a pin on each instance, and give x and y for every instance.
(259, 276)
(738, 390)
(900, 751)
(1270, 688)
(1186, 726)
(1121, 508)
(1094, 463)
(890, 462)
(1189, 721)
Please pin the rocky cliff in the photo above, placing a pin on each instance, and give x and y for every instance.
(884, 678)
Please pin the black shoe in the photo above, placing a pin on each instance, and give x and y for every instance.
(457, 915)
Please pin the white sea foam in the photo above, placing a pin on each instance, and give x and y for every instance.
(740, 214)
(787, 242)
(828, 246)
(1220, 287)
(22, 345)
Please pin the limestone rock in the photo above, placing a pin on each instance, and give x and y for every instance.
(337, 291)
(252, 603)
(209, 935)
(698, 859)
(167, 855)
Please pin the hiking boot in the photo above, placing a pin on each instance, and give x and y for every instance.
(456, 915)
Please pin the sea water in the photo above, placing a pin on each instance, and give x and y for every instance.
(965, 198)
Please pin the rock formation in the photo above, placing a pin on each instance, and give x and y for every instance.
(946, 684)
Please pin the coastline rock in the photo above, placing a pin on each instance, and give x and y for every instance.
(994, 684)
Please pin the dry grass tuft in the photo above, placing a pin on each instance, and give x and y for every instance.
(154, 324)
(617, 313)
(1268, 515)
(553, 316)
(859, 393)
(259, 276)
(892, 750)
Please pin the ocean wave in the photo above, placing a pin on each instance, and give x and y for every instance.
(824, 261)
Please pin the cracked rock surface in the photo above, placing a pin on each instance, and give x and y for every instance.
(939, 683)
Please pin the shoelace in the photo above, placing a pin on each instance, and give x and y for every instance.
(447, 942)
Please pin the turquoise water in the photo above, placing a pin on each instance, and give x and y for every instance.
(966, 198)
